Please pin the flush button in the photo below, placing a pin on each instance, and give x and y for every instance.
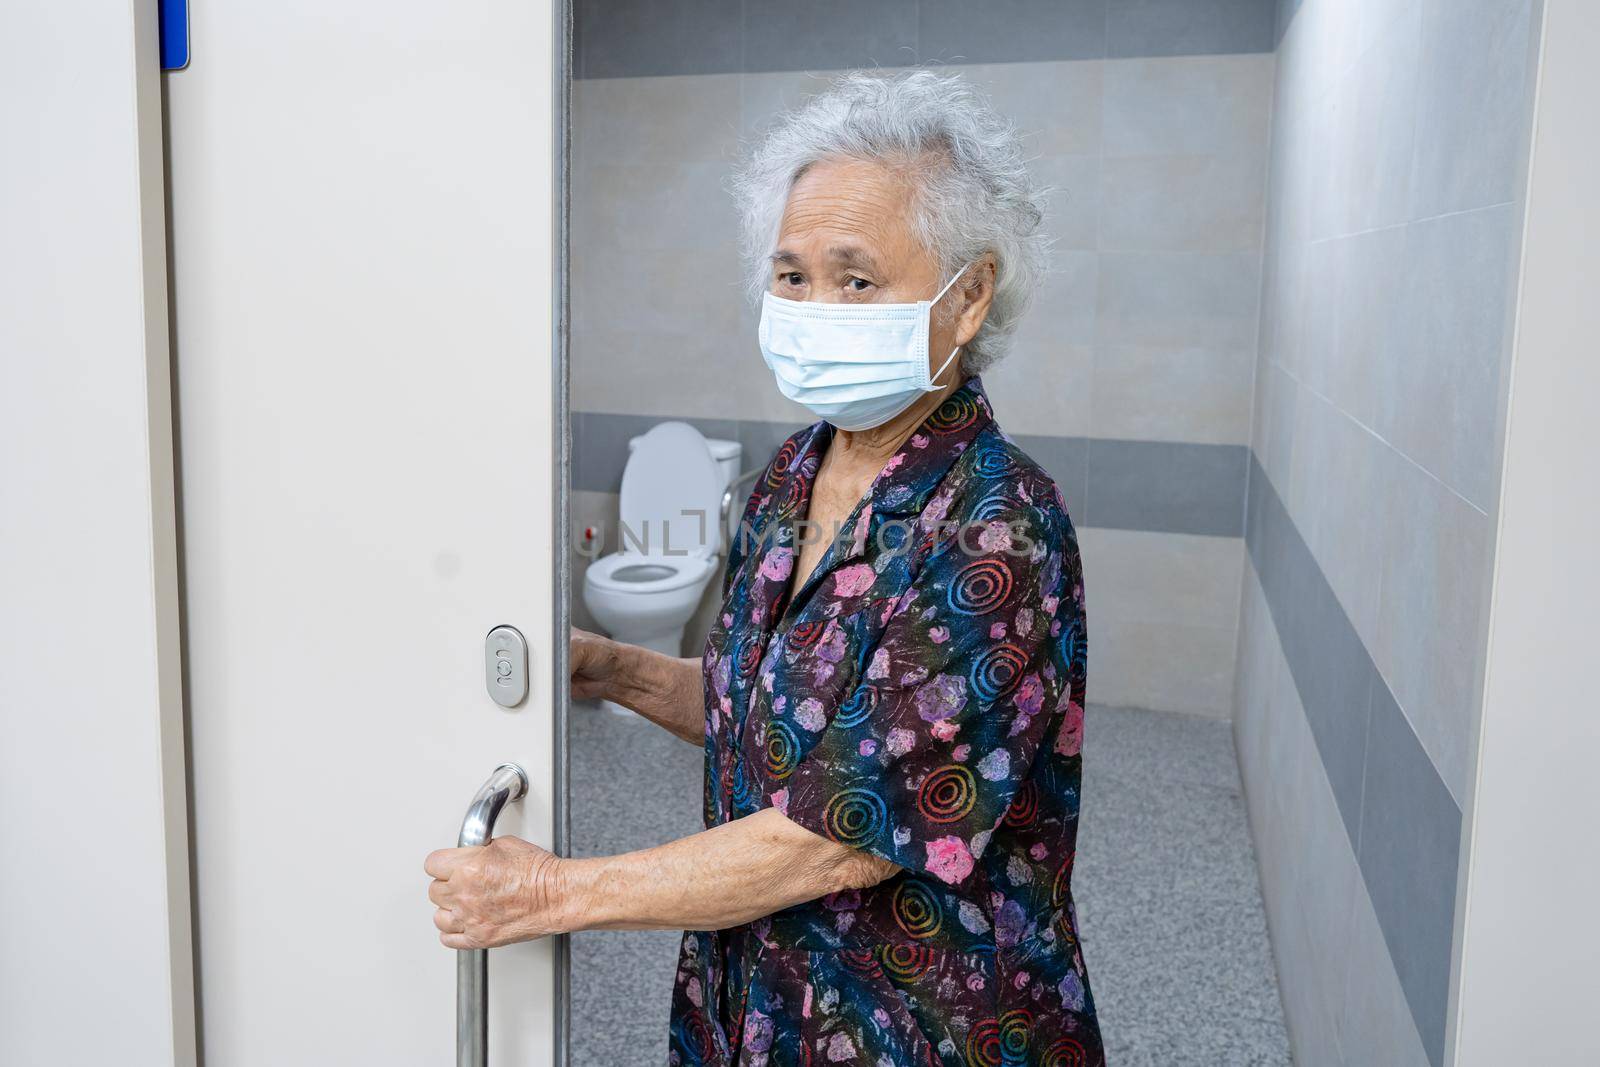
(505, 661)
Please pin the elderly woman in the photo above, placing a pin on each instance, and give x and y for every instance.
(891, 698)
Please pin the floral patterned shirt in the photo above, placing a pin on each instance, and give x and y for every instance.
(920, 697)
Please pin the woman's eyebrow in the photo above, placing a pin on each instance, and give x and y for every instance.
(844, 256)
(853, 256)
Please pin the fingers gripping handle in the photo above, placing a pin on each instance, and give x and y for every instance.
(508, 782)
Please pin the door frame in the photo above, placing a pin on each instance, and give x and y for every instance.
(560, 506)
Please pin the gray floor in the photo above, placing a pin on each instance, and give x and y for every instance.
(1168, 901)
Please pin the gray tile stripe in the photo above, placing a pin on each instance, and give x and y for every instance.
(1403, 824)
(1286, 11)
(638, 38)
(1163, 487)
(1166, 487)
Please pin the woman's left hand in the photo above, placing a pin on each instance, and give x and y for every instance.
(496, 894)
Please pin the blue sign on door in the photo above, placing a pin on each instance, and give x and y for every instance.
(174, 33)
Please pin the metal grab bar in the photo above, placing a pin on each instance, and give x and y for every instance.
(508, 782)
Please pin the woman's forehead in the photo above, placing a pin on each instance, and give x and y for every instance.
(848, 211)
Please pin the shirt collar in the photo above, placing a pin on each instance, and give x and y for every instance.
(912, 474)
(919, 466)
(901, 488)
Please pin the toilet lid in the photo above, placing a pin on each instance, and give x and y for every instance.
(671, 471)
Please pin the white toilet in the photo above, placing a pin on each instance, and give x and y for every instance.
(670, 537)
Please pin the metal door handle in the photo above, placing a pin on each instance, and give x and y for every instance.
(508, 782)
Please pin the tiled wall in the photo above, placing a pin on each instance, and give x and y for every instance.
(636, 38)
(1398, 144)
(1131, 379)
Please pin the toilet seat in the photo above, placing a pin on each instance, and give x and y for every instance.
(635, 572)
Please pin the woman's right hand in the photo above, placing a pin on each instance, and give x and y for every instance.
(663, 689)
(596, 665)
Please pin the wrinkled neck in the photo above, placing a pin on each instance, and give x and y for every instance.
(881, 442)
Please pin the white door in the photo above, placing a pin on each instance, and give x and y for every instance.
(363, 245)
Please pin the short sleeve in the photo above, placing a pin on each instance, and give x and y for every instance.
(922, 760)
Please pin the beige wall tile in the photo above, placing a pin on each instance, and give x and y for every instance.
(1165, 578)
(1064, 308)
(1040, 389)
(1178, 298)
(1277, 394)
(1165, 666)
(1056, 105)
(765, 96)
(646, 120)
(1188, 202)
(1435, 552)
(654, 261)
(1202, 104)
(651, 156)
(1191, 393)
(674, 365)
(1073, 201)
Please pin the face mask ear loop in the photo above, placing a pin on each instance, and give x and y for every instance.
(933, 383)
(953, 279)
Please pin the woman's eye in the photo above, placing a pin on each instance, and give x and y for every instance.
(793, 278)
(858, 285)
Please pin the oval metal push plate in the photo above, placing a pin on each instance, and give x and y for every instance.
(505, 665)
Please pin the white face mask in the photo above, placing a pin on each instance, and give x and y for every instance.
(855, 365)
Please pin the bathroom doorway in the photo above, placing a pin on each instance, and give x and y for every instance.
(663, 342)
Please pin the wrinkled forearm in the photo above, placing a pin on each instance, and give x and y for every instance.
(721, 877)
(664, 689)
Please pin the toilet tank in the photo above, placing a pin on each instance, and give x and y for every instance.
(728, 454)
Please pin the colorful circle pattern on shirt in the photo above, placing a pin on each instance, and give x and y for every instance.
(920, 699)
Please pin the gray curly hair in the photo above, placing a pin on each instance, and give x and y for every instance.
(974, 193)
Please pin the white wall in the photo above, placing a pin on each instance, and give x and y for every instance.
(1529, 948)
(95, 965)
